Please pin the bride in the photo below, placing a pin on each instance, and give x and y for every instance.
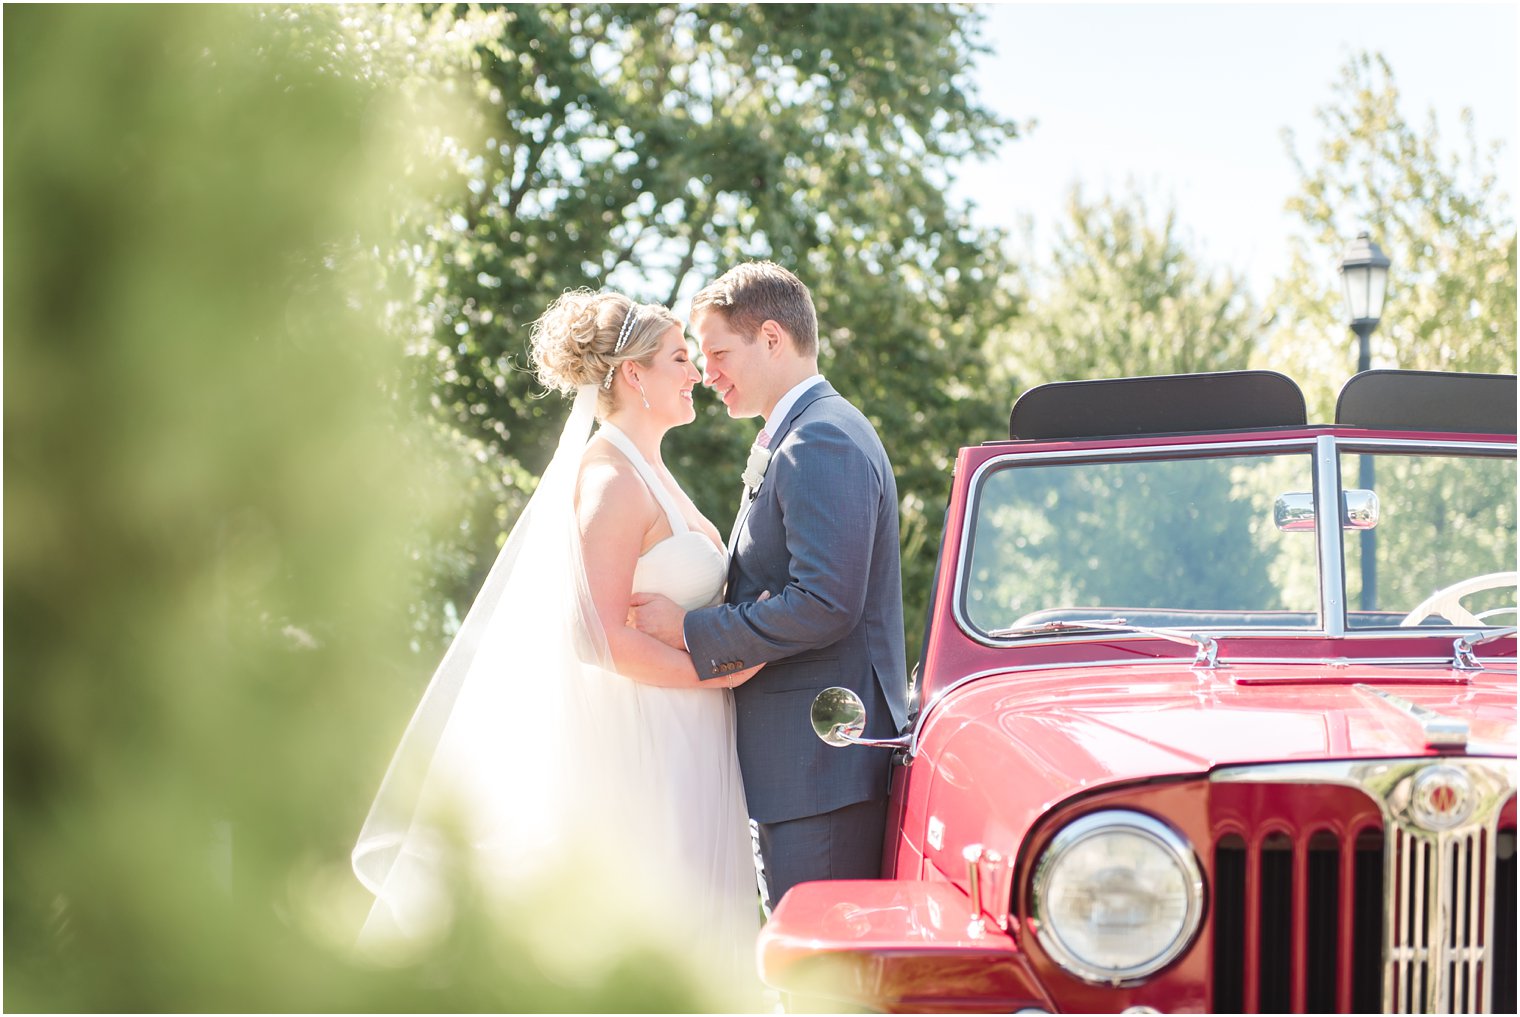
(551, 730)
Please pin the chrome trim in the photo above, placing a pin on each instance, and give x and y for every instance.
(1096, 824)
(1302, 442)
(897, 742)
(1420, 865)
(1497, 449)
(1339, 662)
(974, 855)
(1108, 637)
(1351, 635)
(1207, 647)
(1441, 732)
(1332, 550)
(1462, 648)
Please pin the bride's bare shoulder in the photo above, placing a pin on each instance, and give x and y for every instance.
(609, 482)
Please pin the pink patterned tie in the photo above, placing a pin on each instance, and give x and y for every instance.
(764, 439)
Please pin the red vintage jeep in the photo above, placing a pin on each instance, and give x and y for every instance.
(1216, 713)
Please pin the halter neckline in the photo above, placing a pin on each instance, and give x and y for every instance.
(625, 445)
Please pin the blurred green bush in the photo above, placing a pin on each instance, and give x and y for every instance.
(209, 490)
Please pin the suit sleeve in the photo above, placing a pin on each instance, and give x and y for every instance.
(829, 495)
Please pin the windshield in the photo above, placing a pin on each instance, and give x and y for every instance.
(1177, 542)
(1443, 552)
(1229, 542)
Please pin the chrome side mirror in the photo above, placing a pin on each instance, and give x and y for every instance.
(1293, 512)
(838, 715)
(1359, 509)
(839, 718)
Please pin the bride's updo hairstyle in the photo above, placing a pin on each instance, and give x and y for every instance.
(576, 341)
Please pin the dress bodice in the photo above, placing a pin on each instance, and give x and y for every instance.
(686, 566)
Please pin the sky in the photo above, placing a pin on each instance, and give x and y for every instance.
(1189, 101)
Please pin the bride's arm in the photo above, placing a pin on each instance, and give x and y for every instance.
(616, 511)
(661, 618)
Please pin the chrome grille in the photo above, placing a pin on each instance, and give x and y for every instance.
(1440, 956)
(1359, 905)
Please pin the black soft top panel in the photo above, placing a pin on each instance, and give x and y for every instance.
(1165, 404)
(1428, 401)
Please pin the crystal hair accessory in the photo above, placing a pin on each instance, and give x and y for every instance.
(624, 334)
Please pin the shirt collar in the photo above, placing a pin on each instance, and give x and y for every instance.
(785, 403)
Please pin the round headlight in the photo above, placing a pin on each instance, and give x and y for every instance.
(1117, 896)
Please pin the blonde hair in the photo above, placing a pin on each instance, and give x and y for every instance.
(748, 295)
(575, 341)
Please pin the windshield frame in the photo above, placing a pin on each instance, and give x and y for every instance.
(1325, 450)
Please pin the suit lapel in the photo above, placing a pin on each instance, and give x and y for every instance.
(808, 398)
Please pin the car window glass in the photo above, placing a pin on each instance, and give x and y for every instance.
(1175, 542)
(1446, 525)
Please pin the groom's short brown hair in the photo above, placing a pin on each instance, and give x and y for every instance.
(749, 294)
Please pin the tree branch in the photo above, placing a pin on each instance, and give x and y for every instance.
(694, 235)
(625, 252)
(535, 152)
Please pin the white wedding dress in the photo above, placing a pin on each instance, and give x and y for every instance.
(681, 765)
(531, 754)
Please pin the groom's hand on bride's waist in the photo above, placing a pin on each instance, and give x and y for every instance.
(659, 616)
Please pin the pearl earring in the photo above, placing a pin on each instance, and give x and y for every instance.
(642, 395)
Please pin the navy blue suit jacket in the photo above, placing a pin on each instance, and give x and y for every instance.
(821, 535)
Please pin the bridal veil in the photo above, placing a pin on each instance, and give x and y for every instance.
(494, 759)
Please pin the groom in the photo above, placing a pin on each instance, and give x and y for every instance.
(817, 527)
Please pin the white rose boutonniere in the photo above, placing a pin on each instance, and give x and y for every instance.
(754, 470)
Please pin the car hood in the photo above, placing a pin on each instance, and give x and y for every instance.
(1002, 750)
(1095, 725)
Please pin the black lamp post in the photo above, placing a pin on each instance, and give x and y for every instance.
(1364, 273)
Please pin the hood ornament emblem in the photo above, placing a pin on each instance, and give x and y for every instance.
(1441, 731)
(1441, 797)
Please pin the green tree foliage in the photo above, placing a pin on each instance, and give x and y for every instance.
(207, 491)
(1122, 295)
(648, 148)
(1446, 223)
(1442, 217)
